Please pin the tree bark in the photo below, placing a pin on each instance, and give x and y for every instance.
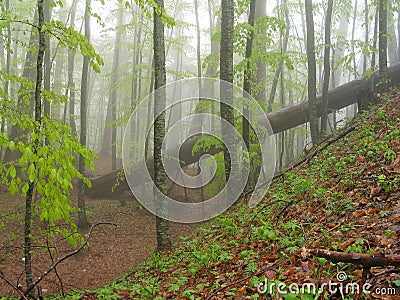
(280, 65)
(312, 74)
(36, 144)
(327, 68)
(226, 74)
(83, 223)
(113, 95)
(261, 93)
(383, 43)
(247, 76)
(160, 178)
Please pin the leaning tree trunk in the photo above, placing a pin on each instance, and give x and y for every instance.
(280, 120)
(160, 179)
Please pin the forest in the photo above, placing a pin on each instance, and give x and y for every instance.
(199, 149)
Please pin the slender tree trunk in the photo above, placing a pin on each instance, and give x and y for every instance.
(83, 223)
(248, 76)
(162, 225)
(70, 91)
(327, 68)
(278, 71)
(398, 30)
(36, 141)
(261, 93)
(366, 38)
(392, 42)
(339, 50)
(226, 74)
(353, 30)
(113, 95)
(312, 97)
(375, 40)
(47, 60)
(383, 43)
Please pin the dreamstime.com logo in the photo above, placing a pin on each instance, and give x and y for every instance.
(192, 113)
(272, 287)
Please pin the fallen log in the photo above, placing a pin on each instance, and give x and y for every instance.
(366, 260)
(280, 120)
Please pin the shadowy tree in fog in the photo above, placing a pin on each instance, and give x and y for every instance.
(383, 45)
(312, 76)
(327, 68)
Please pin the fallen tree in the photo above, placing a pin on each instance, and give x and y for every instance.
(113, 184)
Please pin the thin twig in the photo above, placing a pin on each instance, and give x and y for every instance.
(60, 260)
(13, 286)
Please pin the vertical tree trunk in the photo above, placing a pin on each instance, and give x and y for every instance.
(261, 94)
(226, 74)
(392, 42)
(366, 38)
(375, 40)
(247, 76)
(327, 68)
(83, 223)
(70, 91)
(113, 95)
(162, 225)
(284, 45)
(36, 144)
(353, 30)
(312, 97)
(47, 60)
(383, 43)
(339, 50)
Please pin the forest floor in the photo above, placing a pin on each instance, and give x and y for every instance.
(111, 252)
(346, 198)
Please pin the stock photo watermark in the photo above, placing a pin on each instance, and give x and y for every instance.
(339, 286)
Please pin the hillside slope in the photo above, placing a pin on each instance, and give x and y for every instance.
(346, 198)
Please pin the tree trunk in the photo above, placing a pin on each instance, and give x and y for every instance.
(383, 43)
(280, 65)
(339, 50)
(366, 38)
(248, 76)
(113, 96)
(226, 74)
(312, 97)
(36, 144)
(70, 91)
(392, 42)
(353, 30)
(261, 93)
(83, 223)
(162, 225)
(327, 68)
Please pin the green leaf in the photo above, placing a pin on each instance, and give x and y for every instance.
(25, 189)
(12, 171)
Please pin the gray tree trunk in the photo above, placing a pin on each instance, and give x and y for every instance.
(383, 43)
(226, 74)
(327, 68)
(162, 225)
(83, 223)
(312, 92)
